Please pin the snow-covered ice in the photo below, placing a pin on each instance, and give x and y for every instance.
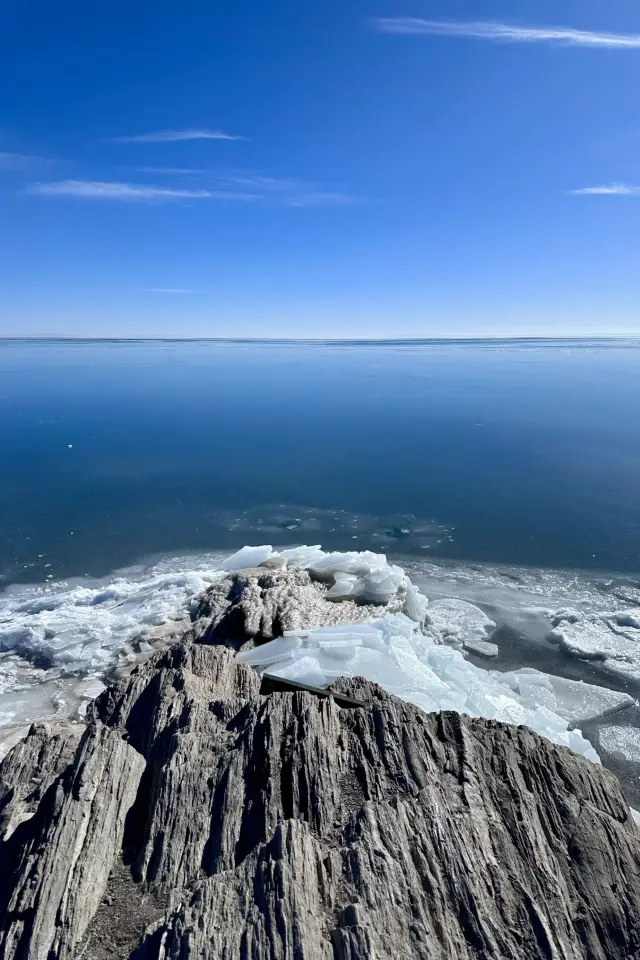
(624, 741)
(609, 637)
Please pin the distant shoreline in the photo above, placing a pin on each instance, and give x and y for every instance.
(354, 342)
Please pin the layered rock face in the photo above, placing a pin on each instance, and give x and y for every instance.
(194, 817)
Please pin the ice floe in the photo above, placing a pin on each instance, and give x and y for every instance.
(609, 637)
(574, 700)
(623, 741)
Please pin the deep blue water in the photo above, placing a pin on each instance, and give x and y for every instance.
(522, 453)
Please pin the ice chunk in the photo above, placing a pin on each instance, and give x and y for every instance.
(364, 576)
(579, 702)
(574, 700)
(482, 648)
(306, 670)
(624, 741)
(415, 605)
(594, 639)
(458, 620)
(635, 815)
(302, 556)
(247, 557)
(272, 652)
(346, 588)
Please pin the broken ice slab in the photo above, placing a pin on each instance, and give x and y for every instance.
(272, 652)
(306, 670)
(346, 589)
(483, 648)
(592, 639)
(415, 605)
(579, 702)
(458, 620)
(246, 558)
(574, 700)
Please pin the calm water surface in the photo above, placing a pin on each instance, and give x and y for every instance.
(505, 452)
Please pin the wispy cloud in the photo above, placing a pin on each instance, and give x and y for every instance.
(506, 33)
(217, 187)
(101, 190)
(289, 192)
(171, 171)
(167, 290)
(608, 190)
(311, 199)
(177, 136)
(19, 161)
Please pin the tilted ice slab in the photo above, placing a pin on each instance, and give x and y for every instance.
(574, 700)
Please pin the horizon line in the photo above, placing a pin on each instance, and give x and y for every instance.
(532, 338)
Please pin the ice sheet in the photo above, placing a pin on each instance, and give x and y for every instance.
(247, 557)
(574, 700)
(394, 652)
(609, 637)
(624, 741)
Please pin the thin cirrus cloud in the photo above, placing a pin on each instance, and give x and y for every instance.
(136, 192)
(169, 290)
(608, 190)
(177, 136)
(291, 193)
(19, 161)
(506, 33)
(146, 193)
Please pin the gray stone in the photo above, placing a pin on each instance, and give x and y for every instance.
(198, 818)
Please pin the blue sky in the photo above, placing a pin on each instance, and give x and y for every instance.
(382, 168)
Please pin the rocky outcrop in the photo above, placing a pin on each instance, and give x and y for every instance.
(196, 817)
(260, 604)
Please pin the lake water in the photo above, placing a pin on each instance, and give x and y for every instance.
(518, 453)
(504, 474)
